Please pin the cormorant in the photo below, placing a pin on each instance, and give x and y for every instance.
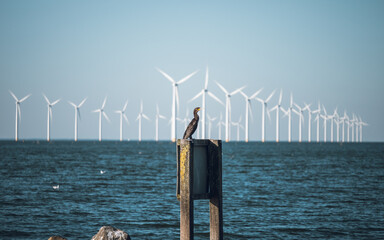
(192, 125)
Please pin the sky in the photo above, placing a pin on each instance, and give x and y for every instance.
(330, 52)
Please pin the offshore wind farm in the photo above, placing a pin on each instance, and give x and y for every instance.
(281, 102)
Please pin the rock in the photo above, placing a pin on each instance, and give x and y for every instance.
(56, 238)
(111, 233)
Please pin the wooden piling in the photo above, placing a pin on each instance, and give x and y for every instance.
(184, 187)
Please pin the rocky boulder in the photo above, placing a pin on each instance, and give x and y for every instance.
(56, 238)
(111, 233)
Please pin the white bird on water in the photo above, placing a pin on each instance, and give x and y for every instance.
(102, 172)
(56, 187)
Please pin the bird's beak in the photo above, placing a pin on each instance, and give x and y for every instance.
(198, 109)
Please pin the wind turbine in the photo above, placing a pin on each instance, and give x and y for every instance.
(248, 108)
(278, 109)
(101, 112)
(158, 115)
(301, 118)
(18, 113)
(238, 125)
(288, 113)
(318, 123)
(337, 121)
(210, 120)
(141, 115)
(332, 118)
(122, 115)
(219, 124)
(342, 120)
(77, 114)
(228, 107)
(49, 116)
(175, 99)
(325, 117)
(310, 112)
(203, 93)
(361, 128)
(264, 106)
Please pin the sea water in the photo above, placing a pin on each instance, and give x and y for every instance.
(270, 190)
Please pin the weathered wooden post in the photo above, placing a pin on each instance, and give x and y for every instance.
(199, 176)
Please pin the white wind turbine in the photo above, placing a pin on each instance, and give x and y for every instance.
(122, 115)
(238, 125)
(18, 113)
(288, 113)
(77, 114)
(337, 121)
(248, 108)
(278, 108)
(49, 116)
(317, 119)
(101, 112)
(158, 115)
(356, 127)
(310, 112)
(361, 124)
(203, 93)
(301, 118)
(175, 99)
(342, 120)
(228, 108)
(139, 117)
(219, 125)
(332, 118)
(325, 117)
(210, 121)
(264, 106)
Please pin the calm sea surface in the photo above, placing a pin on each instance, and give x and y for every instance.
(270, 191)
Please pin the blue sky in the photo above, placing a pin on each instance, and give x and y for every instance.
(327, 51)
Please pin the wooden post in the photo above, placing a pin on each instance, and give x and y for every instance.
(186, 186)
(216, 198)
(185, 180)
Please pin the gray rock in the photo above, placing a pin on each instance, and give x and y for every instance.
(56, 238)
(111, 233)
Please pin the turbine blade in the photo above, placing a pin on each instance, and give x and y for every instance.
(141, 106)
(270, 96)
(281, 96)
(297, 106)
(244, 95)
(256, 93)
(105, 100)
(106, 117)
(72, 104)
(13, 95)
(250, 110)
(166, 76)
(146, 117)
(294, 110)
(58, 100)
(162, 117)
(125, 118)
(269, 115)
(215, 98)
(237, 90)
(222, 88)
(82, 102)
(198, 95)
(19, 112)
(260, 100)
(46, 99)
(78, 113)
(187, 77)
(125, 105)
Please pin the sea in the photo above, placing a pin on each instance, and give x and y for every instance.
(270, 190)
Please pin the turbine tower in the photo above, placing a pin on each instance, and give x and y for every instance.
(203, 93)
(238, 125)
(77, 114)
(219, 124)
(175, 99)
(158, 115)
(101, 112)
(310, 112)
(361, 128)
(49, 116)
(301, 118)
(18, 113)
(332, 118)
(139, 117)
(325, 117)
(228, 107)
(318, 123)
(122, 115)
(210, 120)
(277, 108)
(248, 108)
(264, 106)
